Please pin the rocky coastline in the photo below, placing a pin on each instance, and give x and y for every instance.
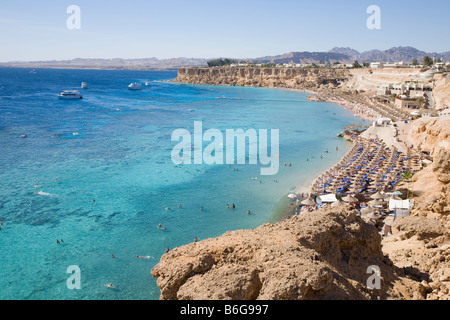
(327, 253)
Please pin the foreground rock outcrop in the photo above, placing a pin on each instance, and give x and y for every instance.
(421, 247)
(318, 255)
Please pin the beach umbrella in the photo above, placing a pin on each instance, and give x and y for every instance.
(365, 211)
(353, 189)
(292, 196)
(308, 202)
(374, 184)
(372, 215)
(378, 195)
(350, 199)
(376, 202)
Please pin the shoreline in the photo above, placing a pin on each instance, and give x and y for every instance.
(405, 244)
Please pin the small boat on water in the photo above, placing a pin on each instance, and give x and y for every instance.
(70, 94)
(135, 86)
(147, 83)
(83, 85)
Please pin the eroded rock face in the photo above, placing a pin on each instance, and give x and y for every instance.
(318, 255)
(421, 246)
(297, 78)
(441, 165)
(432, 183)
(421, 227)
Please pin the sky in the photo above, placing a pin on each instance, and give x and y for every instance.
(35, 30)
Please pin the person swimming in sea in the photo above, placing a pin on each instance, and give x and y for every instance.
(161, 227)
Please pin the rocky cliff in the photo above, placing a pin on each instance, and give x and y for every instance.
(431, 185)
(317, 255)
(291, 78)
(441, 92)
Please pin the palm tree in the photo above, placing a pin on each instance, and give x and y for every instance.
(421, 101)
(407, 177)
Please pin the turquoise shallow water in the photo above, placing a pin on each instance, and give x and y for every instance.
(121, 158)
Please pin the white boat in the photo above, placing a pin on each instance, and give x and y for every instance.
(70, 94)
(84, 85)
(135, 86)
(147, 83)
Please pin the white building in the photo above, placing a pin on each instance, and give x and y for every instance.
(376, 65)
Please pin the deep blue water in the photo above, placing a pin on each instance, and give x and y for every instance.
(121, 158)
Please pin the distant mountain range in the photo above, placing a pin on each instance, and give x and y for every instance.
(349, 55)
(117, 63)
(306, 58)
(343, 55)
(396, 54)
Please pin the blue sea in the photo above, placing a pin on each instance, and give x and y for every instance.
(104, 190)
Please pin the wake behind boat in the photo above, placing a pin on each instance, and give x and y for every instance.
(70, 94)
